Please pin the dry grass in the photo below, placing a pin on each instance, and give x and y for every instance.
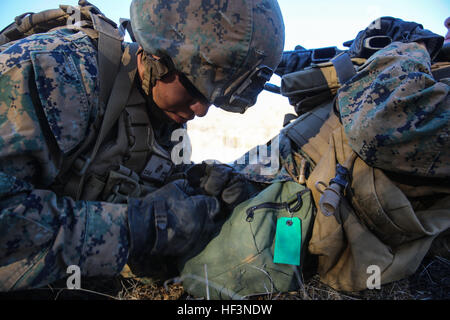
(430, 282)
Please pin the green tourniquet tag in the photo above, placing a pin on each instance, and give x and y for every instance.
(288, 239)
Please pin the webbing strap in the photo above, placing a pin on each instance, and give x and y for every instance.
(161, 223)
(344, 67)
(308, 125)
(116, 103)
(109, 49)
(441, 73)
(120, 92)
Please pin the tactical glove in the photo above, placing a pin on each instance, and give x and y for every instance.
(222, 181)
(385, 30)
(170, 221)
(292, 61)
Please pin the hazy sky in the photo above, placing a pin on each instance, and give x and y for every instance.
(313, 24)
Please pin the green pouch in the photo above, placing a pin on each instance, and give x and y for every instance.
(239, 261)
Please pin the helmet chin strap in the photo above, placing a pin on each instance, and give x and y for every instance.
(154, 69)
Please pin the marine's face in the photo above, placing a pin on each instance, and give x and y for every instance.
(179, 104)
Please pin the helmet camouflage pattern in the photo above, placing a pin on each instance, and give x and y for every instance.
(226, 49)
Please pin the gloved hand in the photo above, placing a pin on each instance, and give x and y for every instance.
(292, 61)
(222, 181)
(170, 221)
(385, 30)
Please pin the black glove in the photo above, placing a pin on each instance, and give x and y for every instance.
(170, 221)
(222, 181)
(385, 30)
(292, 61)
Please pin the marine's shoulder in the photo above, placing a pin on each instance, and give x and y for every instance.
(54, 39)
(63, 64)
(61, 40)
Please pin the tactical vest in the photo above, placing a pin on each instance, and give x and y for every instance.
(120, 157)
(128, 162)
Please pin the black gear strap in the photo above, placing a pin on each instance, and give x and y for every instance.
(161, 223)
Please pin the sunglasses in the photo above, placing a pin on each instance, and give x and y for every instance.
(240, 99)
(192, 90)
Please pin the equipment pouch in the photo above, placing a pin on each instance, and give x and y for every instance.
(319, 82)
(238, 262)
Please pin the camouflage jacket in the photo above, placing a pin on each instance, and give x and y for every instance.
(396, 115)
(48, 98)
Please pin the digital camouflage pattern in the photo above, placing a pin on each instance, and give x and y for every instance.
(273, 162)
(229, 40)
(49, 95)
(396, 115)
(42, 234)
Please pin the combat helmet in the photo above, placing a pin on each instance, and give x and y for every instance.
(227, 49)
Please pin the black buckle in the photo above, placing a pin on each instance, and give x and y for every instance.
(342, 177)
(80, 165)
(158, 169)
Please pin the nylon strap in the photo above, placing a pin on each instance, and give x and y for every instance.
(441, 73)
(300, 133)
(161, 222)
(344, 67)
(116, 103)
(109, 44)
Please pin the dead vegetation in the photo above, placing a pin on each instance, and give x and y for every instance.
(430, 282)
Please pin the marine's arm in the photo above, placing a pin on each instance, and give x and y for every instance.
(41, 235)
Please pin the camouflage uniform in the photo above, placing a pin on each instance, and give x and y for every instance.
(48, 97)
(396, 115)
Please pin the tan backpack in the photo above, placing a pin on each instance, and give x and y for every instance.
(369, 220)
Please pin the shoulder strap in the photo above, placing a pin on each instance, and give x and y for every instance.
(116, 103)
(344, 67)
(109, 53)
(25, 24)
(441, 73)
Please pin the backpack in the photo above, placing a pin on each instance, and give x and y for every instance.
(366, 217)
(243, 259)
(353, 229)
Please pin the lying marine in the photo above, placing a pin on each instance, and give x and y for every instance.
(77, 190)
